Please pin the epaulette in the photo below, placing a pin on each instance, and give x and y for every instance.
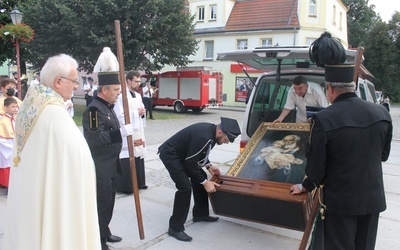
(93, 120)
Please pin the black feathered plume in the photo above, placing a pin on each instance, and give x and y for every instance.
(327, 50)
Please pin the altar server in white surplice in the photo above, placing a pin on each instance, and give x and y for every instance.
(137, 114)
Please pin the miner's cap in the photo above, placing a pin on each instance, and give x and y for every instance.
(339, 73)
(230, 127)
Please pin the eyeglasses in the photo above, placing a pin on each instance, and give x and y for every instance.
(74, 81)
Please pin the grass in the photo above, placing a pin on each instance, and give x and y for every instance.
(78, 111)
(159, 114)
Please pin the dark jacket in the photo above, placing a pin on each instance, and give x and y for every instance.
(192, 146)
(348, 142)
(101, 131)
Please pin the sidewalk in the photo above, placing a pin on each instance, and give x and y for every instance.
(227, 233)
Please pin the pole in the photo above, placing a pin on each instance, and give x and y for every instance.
(357, 66)
(128, 121)
(18, 69)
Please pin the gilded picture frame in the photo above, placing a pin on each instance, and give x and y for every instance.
(276, 152)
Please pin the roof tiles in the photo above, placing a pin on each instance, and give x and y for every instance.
(263, 14)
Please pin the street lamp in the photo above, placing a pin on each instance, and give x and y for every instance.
(16, 18)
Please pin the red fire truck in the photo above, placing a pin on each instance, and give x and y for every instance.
(186, 88)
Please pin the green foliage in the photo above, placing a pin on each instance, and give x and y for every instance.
(22, 32)
(360, 17)
(150, 29)
(6, 47)
(381, 42)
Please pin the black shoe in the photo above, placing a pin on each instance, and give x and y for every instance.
(104, 246)
(144, 187)
(114, 238)
(179, 235)
(151, 118)
(205, 219)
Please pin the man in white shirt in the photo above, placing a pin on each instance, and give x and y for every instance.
(302, 94)
(35, 80)
(87, 88)
(147, 99)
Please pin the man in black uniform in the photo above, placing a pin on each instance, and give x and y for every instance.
(104, 137)
(184, 155)
(348, 142)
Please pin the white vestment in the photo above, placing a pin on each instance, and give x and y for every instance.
(51, 200)
(138, 124)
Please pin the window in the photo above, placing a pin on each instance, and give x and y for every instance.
(213, 12)
(334, 15)
(312, 9)
(209, 45)
(309, 40)
(242, 44)
(200, 13)
(266, 42)
(340, 21)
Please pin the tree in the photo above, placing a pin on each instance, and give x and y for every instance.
(154, 32)
(360, 18)
(381, 59)
(7, 48)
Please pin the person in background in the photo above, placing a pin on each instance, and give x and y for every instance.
(51, 201)
(302, 94)
(148, 99)
(104, 134)
(7, 86)
(7, 133)
(184, 155)
(348, 142)
(15, 77)
(386, 103)
(137, 116)
(87, 88)
(35, 80)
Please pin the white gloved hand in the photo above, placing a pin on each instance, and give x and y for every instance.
(126, 130)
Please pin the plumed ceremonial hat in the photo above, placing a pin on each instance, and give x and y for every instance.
(339, 73)
(230, 127)
(107, 67)
(327, 50)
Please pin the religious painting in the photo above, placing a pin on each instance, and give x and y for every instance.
(276, 152)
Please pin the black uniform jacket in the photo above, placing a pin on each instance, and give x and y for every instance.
(101, 131)
(192, 146)
(348, 142)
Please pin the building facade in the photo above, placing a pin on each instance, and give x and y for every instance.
(224, 25)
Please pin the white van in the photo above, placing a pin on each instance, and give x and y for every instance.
(282, 65)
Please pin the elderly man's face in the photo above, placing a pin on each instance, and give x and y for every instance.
(65, 85)
(111, 94)
(289, 140)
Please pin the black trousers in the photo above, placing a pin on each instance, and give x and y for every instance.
(183, 183)
(356, 232)
(123, 182)
(105, 205)
(88, 99)
(148, 104)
